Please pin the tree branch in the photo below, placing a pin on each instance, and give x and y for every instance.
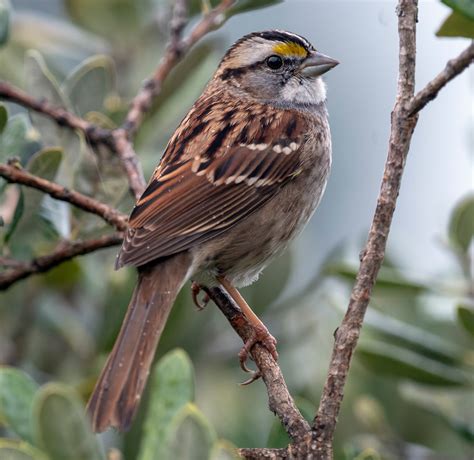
(347, 335)
(453, 68)
(65, 251)
(61, 116)
(280, 401)
(16, 175)
(175, 51)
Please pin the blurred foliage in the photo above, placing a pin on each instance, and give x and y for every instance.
(460, 23)
(411, 382)
(400, 343)
(52, 424)
(4, 21)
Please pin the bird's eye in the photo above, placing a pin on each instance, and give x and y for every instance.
(274, 62)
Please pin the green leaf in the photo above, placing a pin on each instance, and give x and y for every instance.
(172, 388)
(453, 409)
(242, 6)
(456, 25)
(461, 224)
(40, 80)
(45, 164)
(413, 337)
(3, 117)
(463, 429)
(465, 316)
(55, 36)
(388, 277)
(57, 214)
(20, 207)
(90, 84)
(16, 401)
(464, 7)
(18, 139)
(66, 323)
(18, 450)
(117, 20)
(4, 21)
(388, 359)
(62, 429)
(190, 435)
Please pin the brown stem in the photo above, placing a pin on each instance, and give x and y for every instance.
(280, 401)
(348, 333)
(453, 68)
(16, 175)
(131, 164)
(65, 251)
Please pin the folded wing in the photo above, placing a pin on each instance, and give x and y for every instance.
(209, 179)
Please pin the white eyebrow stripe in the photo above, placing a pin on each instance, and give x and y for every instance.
(298, 37)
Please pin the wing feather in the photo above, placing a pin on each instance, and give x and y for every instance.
(211, 177)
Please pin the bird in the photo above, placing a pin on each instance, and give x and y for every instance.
(238, 181)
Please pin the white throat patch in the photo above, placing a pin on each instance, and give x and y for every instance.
(311, 92)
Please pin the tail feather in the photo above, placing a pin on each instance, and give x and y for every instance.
(117, 393)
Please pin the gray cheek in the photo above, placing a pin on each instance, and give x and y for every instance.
(263, 85)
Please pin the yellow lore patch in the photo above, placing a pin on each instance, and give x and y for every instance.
(290, 49)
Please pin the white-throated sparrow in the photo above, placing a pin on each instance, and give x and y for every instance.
(239, 179)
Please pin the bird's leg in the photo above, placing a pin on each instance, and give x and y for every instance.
(195, 290)
(259, 331)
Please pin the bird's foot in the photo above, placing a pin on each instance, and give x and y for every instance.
(259, 334)
(195, 290)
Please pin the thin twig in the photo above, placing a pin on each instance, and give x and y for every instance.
(178, 21)
(143, 101)
(280, 401)
(60, 115)
(175, 51)
(64, 252)
(348, 333)
(16, 175)
(453, 68)
(10, 263)
(131, 164)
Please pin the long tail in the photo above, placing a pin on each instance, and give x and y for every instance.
(117, 393)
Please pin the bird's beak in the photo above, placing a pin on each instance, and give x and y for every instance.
(316, 64)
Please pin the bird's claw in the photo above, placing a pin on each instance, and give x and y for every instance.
(259, 334)
(255, 376)
(195, 290)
